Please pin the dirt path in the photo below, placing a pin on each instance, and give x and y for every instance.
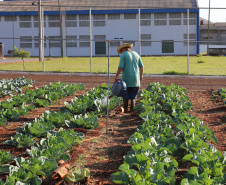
(91, 80)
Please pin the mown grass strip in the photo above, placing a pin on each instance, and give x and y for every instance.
(198, 65)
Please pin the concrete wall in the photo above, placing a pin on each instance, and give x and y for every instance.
(128, 29)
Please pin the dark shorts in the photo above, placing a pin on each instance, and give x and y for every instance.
(131, 93)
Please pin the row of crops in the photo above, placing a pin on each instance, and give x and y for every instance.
(12, 86)
(20, 104)
(220, 94)
(49, 138)
(170, 146)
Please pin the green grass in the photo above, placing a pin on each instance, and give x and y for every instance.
(198, 65)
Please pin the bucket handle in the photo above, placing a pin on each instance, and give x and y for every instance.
(118, 80)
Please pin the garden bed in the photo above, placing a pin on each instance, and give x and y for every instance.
(102, 152)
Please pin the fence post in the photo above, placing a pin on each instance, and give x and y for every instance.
(40, 29)
(108, 83)
(1, 50)
(139, 32)
(90, 32)
(13, 30)
(188, 41)
(43, 40)
(208, 44)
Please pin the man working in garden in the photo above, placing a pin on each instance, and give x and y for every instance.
(131, 67)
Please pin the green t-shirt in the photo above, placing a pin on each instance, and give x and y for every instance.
(130, 61)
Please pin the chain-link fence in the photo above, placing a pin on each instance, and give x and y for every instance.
(80, 39)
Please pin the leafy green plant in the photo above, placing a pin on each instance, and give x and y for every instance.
(3, 121)
(49, 152)
(20, 140)
(6, 105)
(222, 92)
(38, 128)
(5, 157)
(101, 103)
(70, 136)
(56, 144)
(200, 61)
(174, 73)
(208, 160)
(41, 102)
(77, 175)
(11, 86)
(87, 121)
(79, 105)
(21, 176)
(98, 91)
(56, 118)
(10, 114)
(30, 171)
(41, 166)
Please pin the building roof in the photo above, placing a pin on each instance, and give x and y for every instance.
(51, 5)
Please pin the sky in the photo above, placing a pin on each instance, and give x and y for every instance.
(216, 15)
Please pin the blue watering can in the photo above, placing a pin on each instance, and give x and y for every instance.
(119, 88)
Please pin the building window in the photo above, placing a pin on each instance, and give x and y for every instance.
(113, 16)
(145, 39)
(160, 19)
(99, 23)
(25, 41)
(192, 18)
(83, 20)
(167, 46)
(100, 37)
(54, 21)
(130, 16)
(84, 41)
(71, 41)
(115, 43)
(175, 18)
(25, 21)
(71, 21)
(192, 39)
(10, 18)
(145, 19)
(36, 38)
(36, 21)
(206, 38)
(129, 42)
(99, 20)
(54, 41)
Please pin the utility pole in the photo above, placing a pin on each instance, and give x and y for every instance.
(40, 19)
(61, 31)
(208, 30)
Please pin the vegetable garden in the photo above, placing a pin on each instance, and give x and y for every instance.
(168, 143)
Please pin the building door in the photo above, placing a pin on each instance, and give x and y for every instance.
(100, 44)
(100, 48)
(167, 46)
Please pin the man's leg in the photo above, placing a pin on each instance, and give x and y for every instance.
(125, 105)
(132, 105)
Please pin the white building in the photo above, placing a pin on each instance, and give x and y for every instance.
(155, 27)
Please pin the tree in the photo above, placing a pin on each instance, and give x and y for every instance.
(22, 54)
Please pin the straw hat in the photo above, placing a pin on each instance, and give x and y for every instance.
(124, 45)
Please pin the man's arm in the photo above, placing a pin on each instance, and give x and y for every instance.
(141, 72)
(118, 73)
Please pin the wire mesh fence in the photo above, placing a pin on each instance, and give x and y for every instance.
(80, 39)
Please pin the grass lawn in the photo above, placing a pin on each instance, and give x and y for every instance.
(198, 65)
